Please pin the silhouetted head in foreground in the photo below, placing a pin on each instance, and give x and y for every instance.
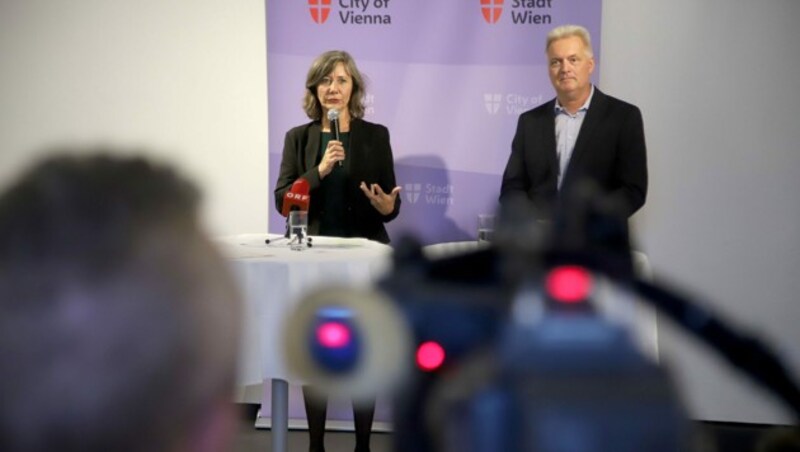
(118, 318)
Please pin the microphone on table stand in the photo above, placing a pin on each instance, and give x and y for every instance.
(297, 198)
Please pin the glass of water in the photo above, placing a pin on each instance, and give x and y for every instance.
(298, 229)
(485, 227)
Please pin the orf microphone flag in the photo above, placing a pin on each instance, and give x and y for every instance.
(297, 198)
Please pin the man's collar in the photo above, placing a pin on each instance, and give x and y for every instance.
(558, 108)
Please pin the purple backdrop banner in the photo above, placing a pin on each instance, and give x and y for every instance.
(447, 77)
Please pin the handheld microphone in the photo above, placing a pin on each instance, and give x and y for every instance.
(333, 117)
(297, 198)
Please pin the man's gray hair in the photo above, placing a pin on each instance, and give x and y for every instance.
(568, 31)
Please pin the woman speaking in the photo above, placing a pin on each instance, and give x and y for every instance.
(353, 191)
(349, 167)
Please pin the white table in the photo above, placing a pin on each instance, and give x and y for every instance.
(272, 279)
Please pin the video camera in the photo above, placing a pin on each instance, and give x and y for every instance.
(504, 348)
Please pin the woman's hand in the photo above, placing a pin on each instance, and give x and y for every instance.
(334, 153)
(382, 202)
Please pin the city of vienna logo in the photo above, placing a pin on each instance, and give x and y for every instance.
(491, 9)
(492, 102)
(320, 10)
(412, 192)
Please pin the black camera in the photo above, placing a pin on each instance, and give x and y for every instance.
(503, 348)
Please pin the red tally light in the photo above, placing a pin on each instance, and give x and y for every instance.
(333, 335)
(430, 356)
(569, 283)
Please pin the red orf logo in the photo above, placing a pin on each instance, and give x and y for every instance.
(320, 9)
(491, 9)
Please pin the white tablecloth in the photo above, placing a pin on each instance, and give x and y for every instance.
(273, 278)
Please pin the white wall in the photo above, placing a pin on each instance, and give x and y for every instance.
(716, 81)
(186, 78)
(714, 78)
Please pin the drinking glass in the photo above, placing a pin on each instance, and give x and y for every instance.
(298, 229)
(485, 227)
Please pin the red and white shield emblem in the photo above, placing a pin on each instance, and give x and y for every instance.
(491, 9)
(320, 10)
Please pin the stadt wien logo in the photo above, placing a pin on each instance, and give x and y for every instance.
(320, 10)
(492, 101)
(412, 192)
(491, 9)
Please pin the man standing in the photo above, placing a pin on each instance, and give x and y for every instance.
(581, 134)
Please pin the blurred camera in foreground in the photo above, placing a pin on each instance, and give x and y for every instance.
(506, 348)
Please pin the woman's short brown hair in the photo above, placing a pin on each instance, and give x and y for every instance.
(320, 68)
